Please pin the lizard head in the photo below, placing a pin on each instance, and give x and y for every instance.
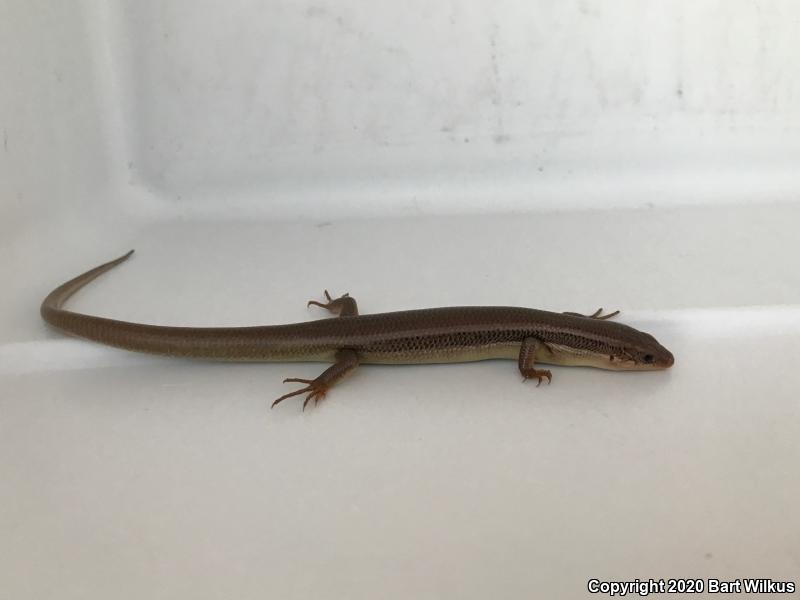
(612, 346)
(640, 352)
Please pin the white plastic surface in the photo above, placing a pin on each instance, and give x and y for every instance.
(625, 154)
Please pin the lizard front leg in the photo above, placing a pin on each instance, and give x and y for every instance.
(527, 355)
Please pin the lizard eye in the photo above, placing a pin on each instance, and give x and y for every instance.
(648, 358)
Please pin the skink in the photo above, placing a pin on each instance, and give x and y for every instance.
(433, 335)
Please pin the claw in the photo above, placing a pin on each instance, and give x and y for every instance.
(542, 375)
(595, 315)
(320, 304)
(316, 392)
(316, 395)
(539, 376)
(604, 317)
(290, 394)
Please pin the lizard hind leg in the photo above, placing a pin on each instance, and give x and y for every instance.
(344, 305)
(346, 362)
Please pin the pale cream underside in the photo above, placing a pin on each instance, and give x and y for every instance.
(560, 355)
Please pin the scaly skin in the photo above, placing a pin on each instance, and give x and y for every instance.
(433, 335)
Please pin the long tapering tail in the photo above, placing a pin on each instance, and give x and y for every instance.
(55, 299)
